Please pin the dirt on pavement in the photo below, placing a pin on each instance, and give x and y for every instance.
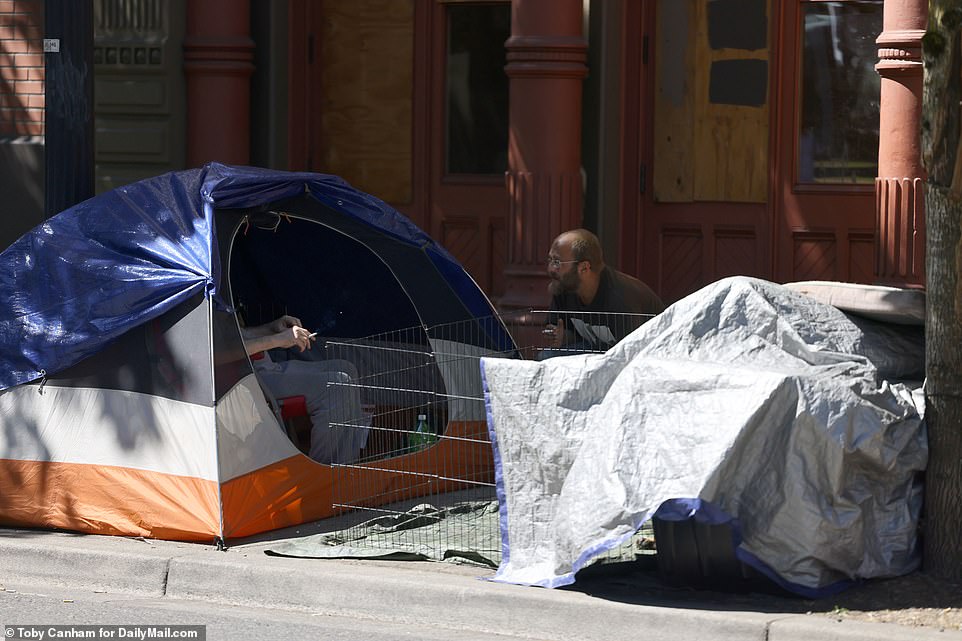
(916, 599)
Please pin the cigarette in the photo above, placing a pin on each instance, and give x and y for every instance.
(312, 335)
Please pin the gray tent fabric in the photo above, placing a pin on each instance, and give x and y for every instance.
(746, 395)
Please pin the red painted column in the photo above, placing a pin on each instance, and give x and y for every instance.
(218, 55)
(546, 56)
(899, 187)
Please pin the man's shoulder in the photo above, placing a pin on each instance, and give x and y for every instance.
(634, 294)
(622, 277)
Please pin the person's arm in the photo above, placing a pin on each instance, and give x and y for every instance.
(283, 332)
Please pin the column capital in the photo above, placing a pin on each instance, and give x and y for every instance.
(219, 55)
(900, 38)
(900, 50)
(546, 56)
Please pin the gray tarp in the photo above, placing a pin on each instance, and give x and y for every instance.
(747, 395)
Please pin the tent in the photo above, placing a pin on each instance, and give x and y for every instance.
(127, 402)
(745, 404)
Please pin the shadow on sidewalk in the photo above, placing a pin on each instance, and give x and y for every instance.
(638, 583)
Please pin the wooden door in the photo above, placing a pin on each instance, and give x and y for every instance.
(352, 97)
(407, 100)
(696, 167)
(828, 141)
(139, 90)
(469, 136)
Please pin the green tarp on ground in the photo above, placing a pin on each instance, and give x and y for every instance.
(465, 533)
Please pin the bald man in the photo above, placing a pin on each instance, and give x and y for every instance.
(582, 283)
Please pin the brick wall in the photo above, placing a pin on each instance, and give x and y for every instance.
(21, 68)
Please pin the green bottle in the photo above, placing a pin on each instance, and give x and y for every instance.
(422, 437)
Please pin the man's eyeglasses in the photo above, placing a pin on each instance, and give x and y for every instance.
(554, 263)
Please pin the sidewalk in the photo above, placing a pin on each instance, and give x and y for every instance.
(444, 594)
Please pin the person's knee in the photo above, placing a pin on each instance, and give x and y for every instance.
(345, 367)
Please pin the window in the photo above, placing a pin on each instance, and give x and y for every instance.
(839, 126)
(476, 91)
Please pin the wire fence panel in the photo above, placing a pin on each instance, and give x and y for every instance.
(424, 483)
(427, 465)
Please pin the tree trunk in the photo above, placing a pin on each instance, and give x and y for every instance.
(942, 536)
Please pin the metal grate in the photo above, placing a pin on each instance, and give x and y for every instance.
(433, 493)
(129, 15)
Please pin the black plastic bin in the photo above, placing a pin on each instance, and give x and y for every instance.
(700, 555)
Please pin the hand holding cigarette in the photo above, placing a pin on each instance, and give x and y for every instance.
(554, 333)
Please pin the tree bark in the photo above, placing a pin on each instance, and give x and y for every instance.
(942, 535)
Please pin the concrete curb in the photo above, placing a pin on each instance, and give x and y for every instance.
(83, 562)
(800, 628)
(451, 601)
(443, 595)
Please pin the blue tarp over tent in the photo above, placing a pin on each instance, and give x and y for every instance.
(87, 275)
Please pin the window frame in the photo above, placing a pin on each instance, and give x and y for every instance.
(798, 186)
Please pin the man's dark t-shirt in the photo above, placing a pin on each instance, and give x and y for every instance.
(617, 292)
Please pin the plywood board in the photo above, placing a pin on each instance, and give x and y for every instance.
(366, 49)
(731, 114)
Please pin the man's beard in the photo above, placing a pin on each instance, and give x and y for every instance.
(567, 282)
